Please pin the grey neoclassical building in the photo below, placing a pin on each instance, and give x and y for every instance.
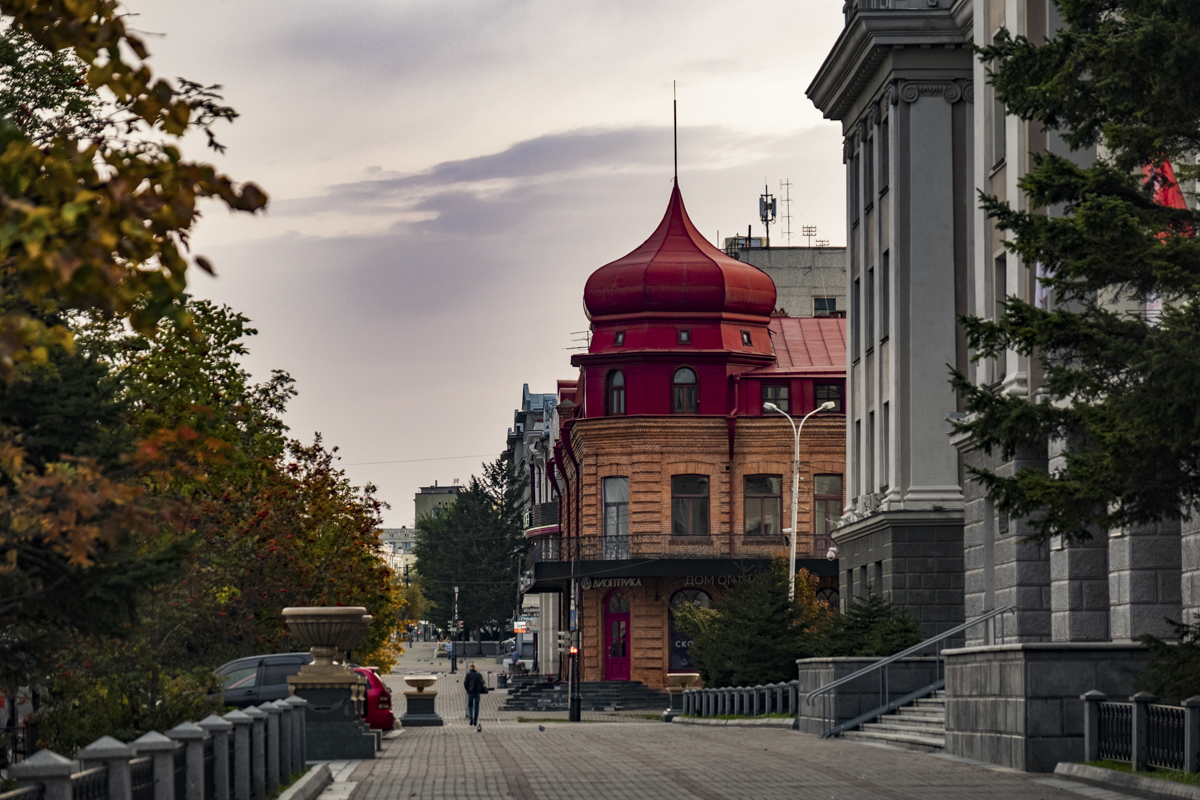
(923, 137)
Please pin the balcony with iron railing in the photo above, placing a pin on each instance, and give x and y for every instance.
(556, 548)
(541, 515)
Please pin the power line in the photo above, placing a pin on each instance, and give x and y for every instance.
(415, 460)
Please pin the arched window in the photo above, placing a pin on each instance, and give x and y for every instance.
(683, 391)
(616, 393)
(680, 648)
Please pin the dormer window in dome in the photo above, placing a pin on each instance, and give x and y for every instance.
(619, 339)
(746, 340)
(616, 393)
(683, 391)
(684, 336)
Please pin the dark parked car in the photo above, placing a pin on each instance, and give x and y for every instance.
(260, 679)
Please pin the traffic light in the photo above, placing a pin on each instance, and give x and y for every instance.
(564, 641)
(574, 649)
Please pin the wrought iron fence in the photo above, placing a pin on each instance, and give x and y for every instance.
(210, 762)
(1116, 731)
(141, 776)
(91, 784)
(17, 744)
(181, 773)
(1165, 736)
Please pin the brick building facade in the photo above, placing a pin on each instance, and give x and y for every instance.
(671, 481)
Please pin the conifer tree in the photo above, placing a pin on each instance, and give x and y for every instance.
(1123, 391)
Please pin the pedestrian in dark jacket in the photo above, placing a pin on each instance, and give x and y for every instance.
(475, 686)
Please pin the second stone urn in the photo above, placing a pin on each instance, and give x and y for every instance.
(335, 693)
(419, 705)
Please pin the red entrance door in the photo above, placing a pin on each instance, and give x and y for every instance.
(616, 635)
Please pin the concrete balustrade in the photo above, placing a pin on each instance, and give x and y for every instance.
(267, 749)
(258, 753)
(114, 754)
(161, 751)
(192, 736)
(242, 753)
(220, 730)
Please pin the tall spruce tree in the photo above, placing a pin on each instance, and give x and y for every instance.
(1122, 76)
(477, 544)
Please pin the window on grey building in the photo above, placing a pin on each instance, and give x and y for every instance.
(871, 451)
(999, 135)
(885, 449)
(855, 200)
(856, 319)
(763, 504)
(885, 297)
(884, 155)
(869, 170)
(777, 394)
(870, 303)
(824, 306)
(689, 505)
(999, 297)
(831, 392)
(683, 391)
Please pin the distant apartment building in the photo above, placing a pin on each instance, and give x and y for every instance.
(431, 499)
(809, 281)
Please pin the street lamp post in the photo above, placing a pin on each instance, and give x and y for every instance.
(768, 407)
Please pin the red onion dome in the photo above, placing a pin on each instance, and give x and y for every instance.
(677, 269)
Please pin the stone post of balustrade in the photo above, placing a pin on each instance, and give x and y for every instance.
(286, 767)
(220, 730)
(1141, 728)
(243, 748)
(271, 744)
(115, 754)
(162, 753)
(192, 736)
(49, 769)
(258, 753)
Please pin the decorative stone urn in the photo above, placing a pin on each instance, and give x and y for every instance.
(419, 705)
(335, 693)
(677, 684)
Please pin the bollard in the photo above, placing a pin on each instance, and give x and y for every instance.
(242, 749)
(192, 736)
(162, 751)
(299, 731)
(1191, 734)
(1091, 724)
(49, 769)
(285, 741)
(271, 746)
(220, 730)
(1141, 705)
(258, 753)
(115, 754)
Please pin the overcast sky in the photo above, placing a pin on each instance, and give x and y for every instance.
(445, 174)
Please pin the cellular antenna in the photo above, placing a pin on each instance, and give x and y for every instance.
(675, 128)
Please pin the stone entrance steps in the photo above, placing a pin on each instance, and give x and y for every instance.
(596, 696)
(920, 725)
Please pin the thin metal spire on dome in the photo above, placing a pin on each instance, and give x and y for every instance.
(675, 125)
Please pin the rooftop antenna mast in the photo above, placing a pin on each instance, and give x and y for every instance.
(675, 129)
(766, 213)
(785, 186)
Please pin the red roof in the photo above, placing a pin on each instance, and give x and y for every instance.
(677, 269)
(807, 344)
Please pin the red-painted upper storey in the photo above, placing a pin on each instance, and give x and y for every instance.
(678, 270)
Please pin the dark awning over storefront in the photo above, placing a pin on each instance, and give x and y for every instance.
(555, 576)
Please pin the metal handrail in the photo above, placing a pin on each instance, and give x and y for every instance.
(916, 648)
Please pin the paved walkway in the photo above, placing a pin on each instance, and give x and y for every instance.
(452, 698)
(646, 760)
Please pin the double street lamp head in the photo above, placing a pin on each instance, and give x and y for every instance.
(828, 405)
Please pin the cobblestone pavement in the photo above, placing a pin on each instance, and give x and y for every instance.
(656, 761)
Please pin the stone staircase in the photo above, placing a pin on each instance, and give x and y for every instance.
(920, 725)
(596, 696)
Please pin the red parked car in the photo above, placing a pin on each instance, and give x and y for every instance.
(379, 701)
